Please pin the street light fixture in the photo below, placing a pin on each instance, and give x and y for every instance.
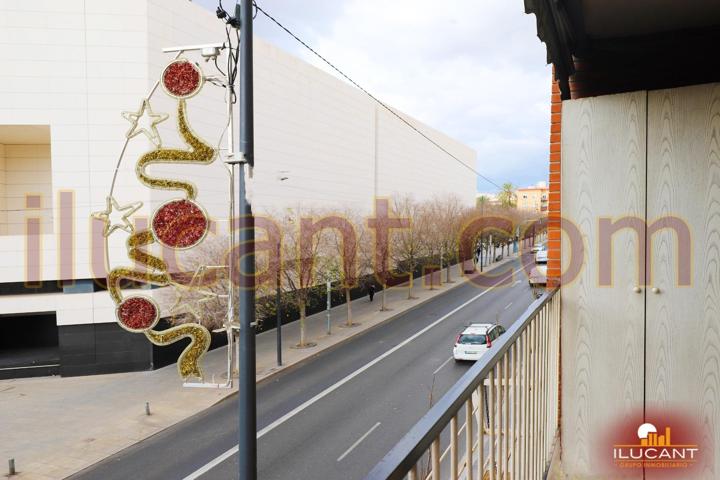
(209, 51)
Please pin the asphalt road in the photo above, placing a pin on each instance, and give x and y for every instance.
(336, 416)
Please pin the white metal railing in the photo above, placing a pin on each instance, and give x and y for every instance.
(500, 419)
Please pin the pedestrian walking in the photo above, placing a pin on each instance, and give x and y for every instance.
(371, 291)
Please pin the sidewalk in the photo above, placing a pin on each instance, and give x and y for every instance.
(54, 427)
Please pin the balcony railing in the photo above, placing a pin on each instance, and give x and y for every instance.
(500, 420)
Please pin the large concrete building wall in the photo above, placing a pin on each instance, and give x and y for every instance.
(336, 146)
(75, 65)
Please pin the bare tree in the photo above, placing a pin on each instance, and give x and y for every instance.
(408, 245)
(383, 226)
(447, 214)
(300, 253)
(347, 242)
(382, 271)
(428, 224)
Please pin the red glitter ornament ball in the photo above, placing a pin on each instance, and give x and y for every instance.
(182, 79)
(180, 224)
(137, 313)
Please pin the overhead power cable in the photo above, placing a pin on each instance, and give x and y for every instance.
(379, 102)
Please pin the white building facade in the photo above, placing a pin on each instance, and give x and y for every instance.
(69, 69)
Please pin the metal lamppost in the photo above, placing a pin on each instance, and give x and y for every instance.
(442, 253)
(481, 254)
(489, 248)
(328, 290)
(247, 425)
(278, 308)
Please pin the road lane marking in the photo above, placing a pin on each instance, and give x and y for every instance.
(343, 381)
(214, 463)
(371, 363)
(508, 306)
(352, 447)
(517, 282)
(443, 364)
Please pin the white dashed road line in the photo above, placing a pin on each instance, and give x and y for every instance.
(441, 366)
(352, 447)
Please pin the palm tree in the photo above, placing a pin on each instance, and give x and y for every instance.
(507, 195)
(481, 201)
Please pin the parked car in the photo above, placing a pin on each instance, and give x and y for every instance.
(538, 280)
(475, 340)
(538, 246)
(541, 255)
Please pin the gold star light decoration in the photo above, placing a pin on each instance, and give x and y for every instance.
(145, 121)
(201, 297)
(112, 207)
(190, 301)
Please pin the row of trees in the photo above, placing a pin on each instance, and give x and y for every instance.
(392, 247)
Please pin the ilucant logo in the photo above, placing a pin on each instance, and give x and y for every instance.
(655, 450)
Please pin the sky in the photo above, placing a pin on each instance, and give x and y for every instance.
(473, 69)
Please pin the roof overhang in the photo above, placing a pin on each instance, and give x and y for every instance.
(580, 29)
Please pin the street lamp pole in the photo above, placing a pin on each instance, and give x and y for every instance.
(278, 313)
(328, 287)
(442, 253)
(247, 425)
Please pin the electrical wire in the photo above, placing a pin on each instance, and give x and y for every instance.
(373, 97)
(218, 67)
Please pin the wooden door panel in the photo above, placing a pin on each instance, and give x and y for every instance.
(603, 175)
(683, 322)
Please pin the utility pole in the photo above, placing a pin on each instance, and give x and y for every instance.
(328, 288)
(489, 248)
(278, 320)
(481, 254)
(442, 253)
(247, 425)
(482, 215)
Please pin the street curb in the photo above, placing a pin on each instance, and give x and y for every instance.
(290, 368)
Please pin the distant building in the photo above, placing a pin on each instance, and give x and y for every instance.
(534, 199)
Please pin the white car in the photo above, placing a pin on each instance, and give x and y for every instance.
(537, 247)
(538, 280)
(475, 340)
(538, 276)
(541, 256)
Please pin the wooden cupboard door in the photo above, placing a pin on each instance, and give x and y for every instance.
(603, 175)
(683, 322)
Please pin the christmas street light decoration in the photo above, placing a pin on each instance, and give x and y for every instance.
(179, 224)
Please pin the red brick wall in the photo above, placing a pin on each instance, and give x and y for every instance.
(553, 266)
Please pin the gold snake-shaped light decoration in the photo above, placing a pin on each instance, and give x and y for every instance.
(178, 224)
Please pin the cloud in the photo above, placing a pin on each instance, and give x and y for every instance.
(472, 69)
